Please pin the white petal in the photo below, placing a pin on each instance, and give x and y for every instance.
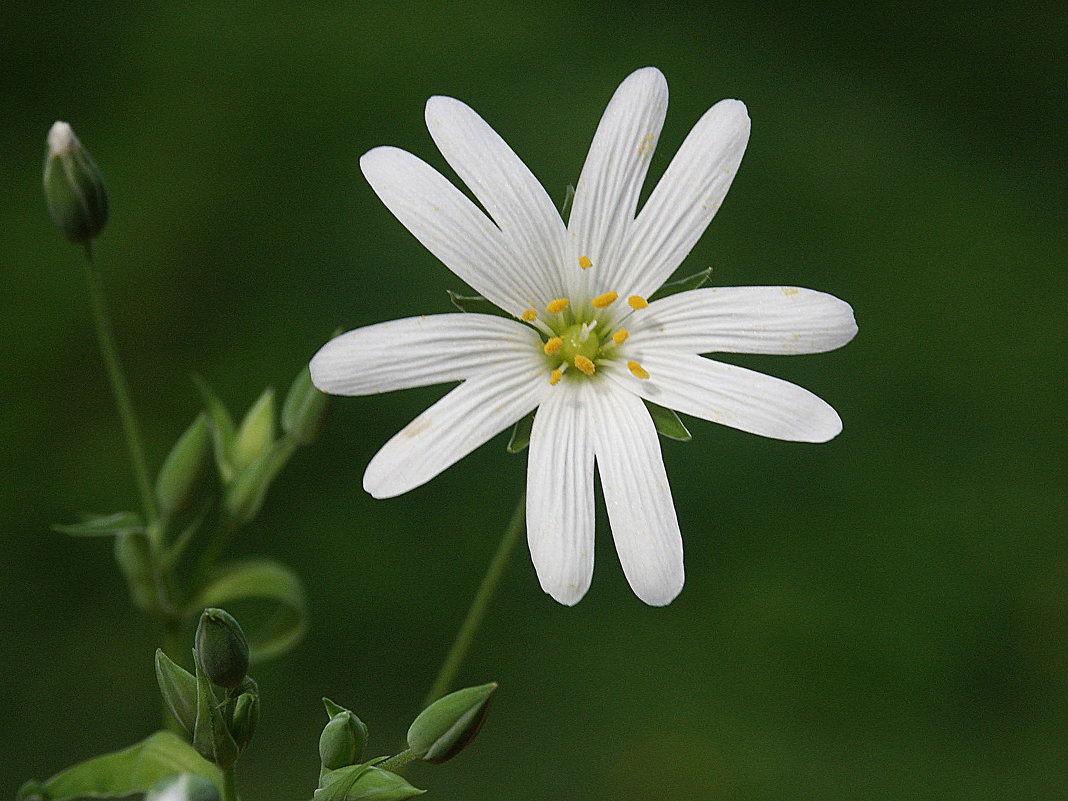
(505, 187)
(450, 226)
(636, 492)
(560, 517)
(611, 180)
(468, 416)
(744, 319)
(733, 396)
(419, 351)
(686, 199)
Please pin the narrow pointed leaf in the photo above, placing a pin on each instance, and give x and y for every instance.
(179, 690)
(521, 434)
(364, 783)
(695, 281)
(222, 428)
(668, 423)
(472, 303)
(569, 201)
(104, 526)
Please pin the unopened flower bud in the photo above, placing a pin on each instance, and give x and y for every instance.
(180, 475)
(256, 434)
(303, 409)
(444, 728)
(246, 714)
(183, 787)
(221, 648)
(74, 188)
(342, 740)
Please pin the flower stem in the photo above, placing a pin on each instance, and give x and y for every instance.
(394, 763)
(490, 580)
(119, 387)
(229, 788)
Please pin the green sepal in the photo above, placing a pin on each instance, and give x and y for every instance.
(364, 783)
(668, 423)
(333, 709)
(520, 438)
(472, 303)
(255, 435)
(222, 428)
(122, 773)
(211, 735)
(133, 553)
(303, 409)
(104, 525)
(267, 580)
(695, 281)
(444, 728)
(569, 201)
(246, 715)
(183, 468)
(179, 690)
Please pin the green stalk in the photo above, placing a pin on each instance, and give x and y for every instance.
(119, 386)
(229, 788)
(466, 633)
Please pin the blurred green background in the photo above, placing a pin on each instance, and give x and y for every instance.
(884, 616)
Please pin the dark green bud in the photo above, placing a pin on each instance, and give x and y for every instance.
(134, 556)
(343, 738)
(179, 690)
(444, 728)
(183, 787)
(184, 467)
(221, 648)
(303, 409)
(246, 716)
(255, 435)
(74, 188)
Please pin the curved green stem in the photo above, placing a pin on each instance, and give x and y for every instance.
(119, 387)
(466, 633)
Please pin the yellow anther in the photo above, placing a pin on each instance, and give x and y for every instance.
(637, 302)
(605, 300)
(554, 378)
(553, 345)
(584, 364)
(585, 263)
(530, 315)
(557, 306)
(620, 336)
(637, 370)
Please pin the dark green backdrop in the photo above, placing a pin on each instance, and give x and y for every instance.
(884, 616)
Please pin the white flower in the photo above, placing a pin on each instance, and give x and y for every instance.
(583, 346)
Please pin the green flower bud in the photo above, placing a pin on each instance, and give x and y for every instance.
(444, 728)
(221, 648)
(342, 740)
(179, 690)
(183, 787)
(256, 434)
(134, 556)
(74, 188)
(303, 409)
(180, 475)
(246, 714)
(366, 783)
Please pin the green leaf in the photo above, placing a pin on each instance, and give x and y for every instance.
(267, 580)
(131, 770)
(211, 735)
(472, 303)
(222, 428)
(179, 690)
(521, 434)
(569, 201)
(105, 526)
(364, 783)
(668, 423)
(695, 281)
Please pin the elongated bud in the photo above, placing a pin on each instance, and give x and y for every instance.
(74, 188)
(179, 690)
(343, 738)
(246, 713)
(303, 409)
(221, 648)
(444, 728)
(134, 557)
(183, 787)
(180, 475)
(256, 433)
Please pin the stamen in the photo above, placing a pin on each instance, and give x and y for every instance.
(554, 378)
(553, 345)
(557, 306)
(605, 300)
(637, 302)
(637, 370)
(584, 364)
(529, 315)
(620, 336)
(585, 263)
